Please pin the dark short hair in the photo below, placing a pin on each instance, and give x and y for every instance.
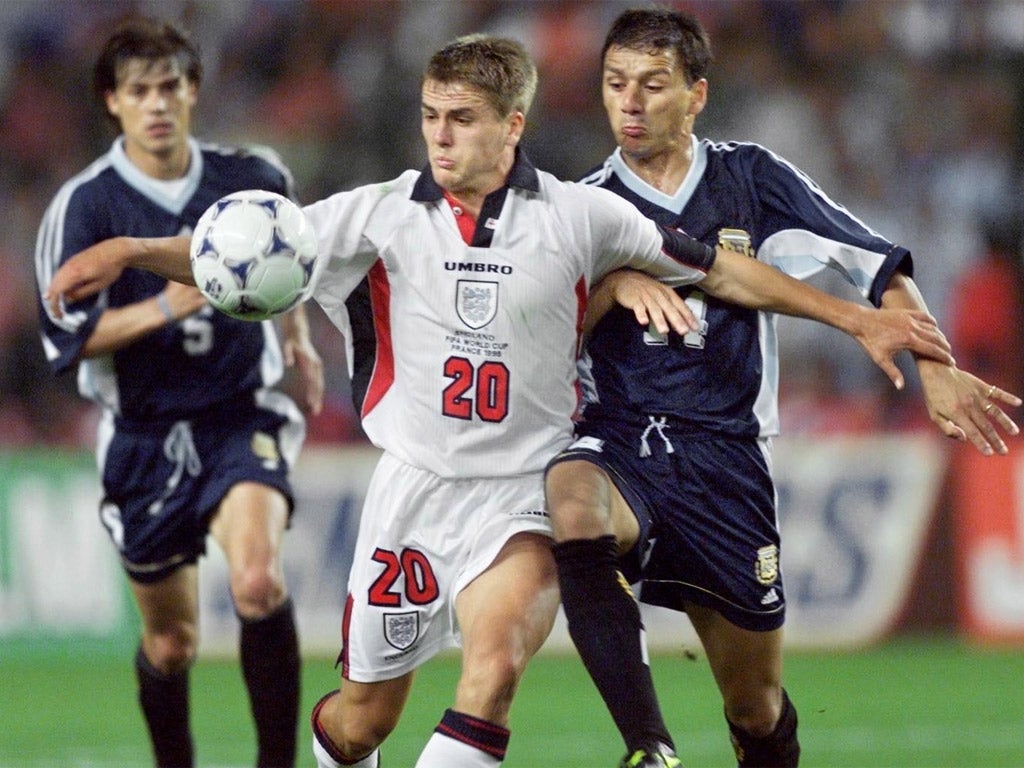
(499, 67)
(656, 28)
(143, 38)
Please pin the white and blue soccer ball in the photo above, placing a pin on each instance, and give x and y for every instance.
(254, 254)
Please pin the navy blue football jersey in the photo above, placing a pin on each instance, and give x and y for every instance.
(184, 368)
(724, 378)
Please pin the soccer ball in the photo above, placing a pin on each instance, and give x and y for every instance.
(253, 254)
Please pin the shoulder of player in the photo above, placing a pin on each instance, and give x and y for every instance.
(581, 194)
(261, 162)
(391, 199)
(742, 156)
(83, 190)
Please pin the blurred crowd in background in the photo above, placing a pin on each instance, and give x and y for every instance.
(909, 113)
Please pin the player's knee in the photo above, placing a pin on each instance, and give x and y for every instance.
(755, 712)
(578, 501)
(171, 651)
(778, 748)
(359, 741)
(357, 736)
(257, 591)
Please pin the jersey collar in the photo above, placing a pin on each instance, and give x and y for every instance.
(675, 202)
(171, 197)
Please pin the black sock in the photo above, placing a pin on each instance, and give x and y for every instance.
(269, 650)
(164, 702)
(779, 749)
(605, 625)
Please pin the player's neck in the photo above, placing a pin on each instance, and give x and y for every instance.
(165, 166)
(665, 171)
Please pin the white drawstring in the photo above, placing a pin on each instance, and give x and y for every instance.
(181, 450)
(659, 424)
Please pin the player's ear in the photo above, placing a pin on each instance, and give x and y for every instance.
(113, 107)
(698, 96)
(516, 124)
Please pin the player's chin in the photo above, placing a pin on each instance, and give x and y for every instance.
(444, 176)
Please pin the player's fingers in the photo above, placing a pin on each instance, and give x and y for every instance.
(55, 304)
(950, 429)
(288, 350)
(980, 431)
(999, 417)
(935, 344)
(892, 371)
(994, 393)
(315, 389)
(931, 348)
(642, 316)
(681, 316)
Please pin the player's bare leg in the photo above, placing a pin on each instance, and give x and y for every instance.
(748, 670)
(351, 723)
(505, 615)
(250, 526)
(593, 525)
(169, 610)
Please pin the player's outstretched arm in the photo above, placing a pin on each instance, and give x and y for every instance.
(90, 271)
(749, 283)
(650, 300)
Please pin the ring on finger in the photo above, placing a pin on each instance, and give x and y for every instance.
(991, 391)
(986, 408)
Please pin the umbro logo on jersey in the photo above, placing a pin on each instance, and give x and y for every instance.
(472, 266)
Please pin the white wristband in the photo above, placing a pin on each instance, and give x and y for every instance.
(165, 307)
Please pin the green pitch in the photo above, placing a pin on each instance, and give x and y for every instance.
(906, 704)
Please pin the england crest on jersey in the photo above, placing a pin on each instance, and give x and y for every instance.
(476, 302)
(401, 630)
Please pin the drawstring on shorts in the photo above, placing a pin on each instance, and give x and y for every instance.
(179, 449)
(660, 424)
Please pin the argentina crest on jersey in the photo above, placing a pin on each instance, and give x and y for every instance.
(476, 302)
(735, 240)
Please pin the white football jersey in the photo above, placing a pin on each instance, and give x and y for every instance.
(474, 370)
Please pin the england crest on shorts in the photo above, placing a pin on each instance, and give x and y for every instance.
(476, 301)
(401, 630)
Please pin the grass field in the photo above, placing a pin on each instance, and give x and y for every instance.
(907, 704)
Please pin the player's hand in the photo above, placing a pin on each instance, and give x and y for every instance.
(86, 273)
(885, 332)
(966, 408)
(652, 301)
(184, 300)
(299, 352)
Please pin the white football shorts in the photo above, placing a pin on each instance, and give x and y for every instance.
(422, 539)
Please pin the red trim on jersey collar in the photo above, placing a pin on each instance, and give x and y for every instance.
(466, 222)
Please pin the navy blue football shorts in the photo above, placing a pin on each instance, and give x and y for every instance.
(162, 482)
(706, 508)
